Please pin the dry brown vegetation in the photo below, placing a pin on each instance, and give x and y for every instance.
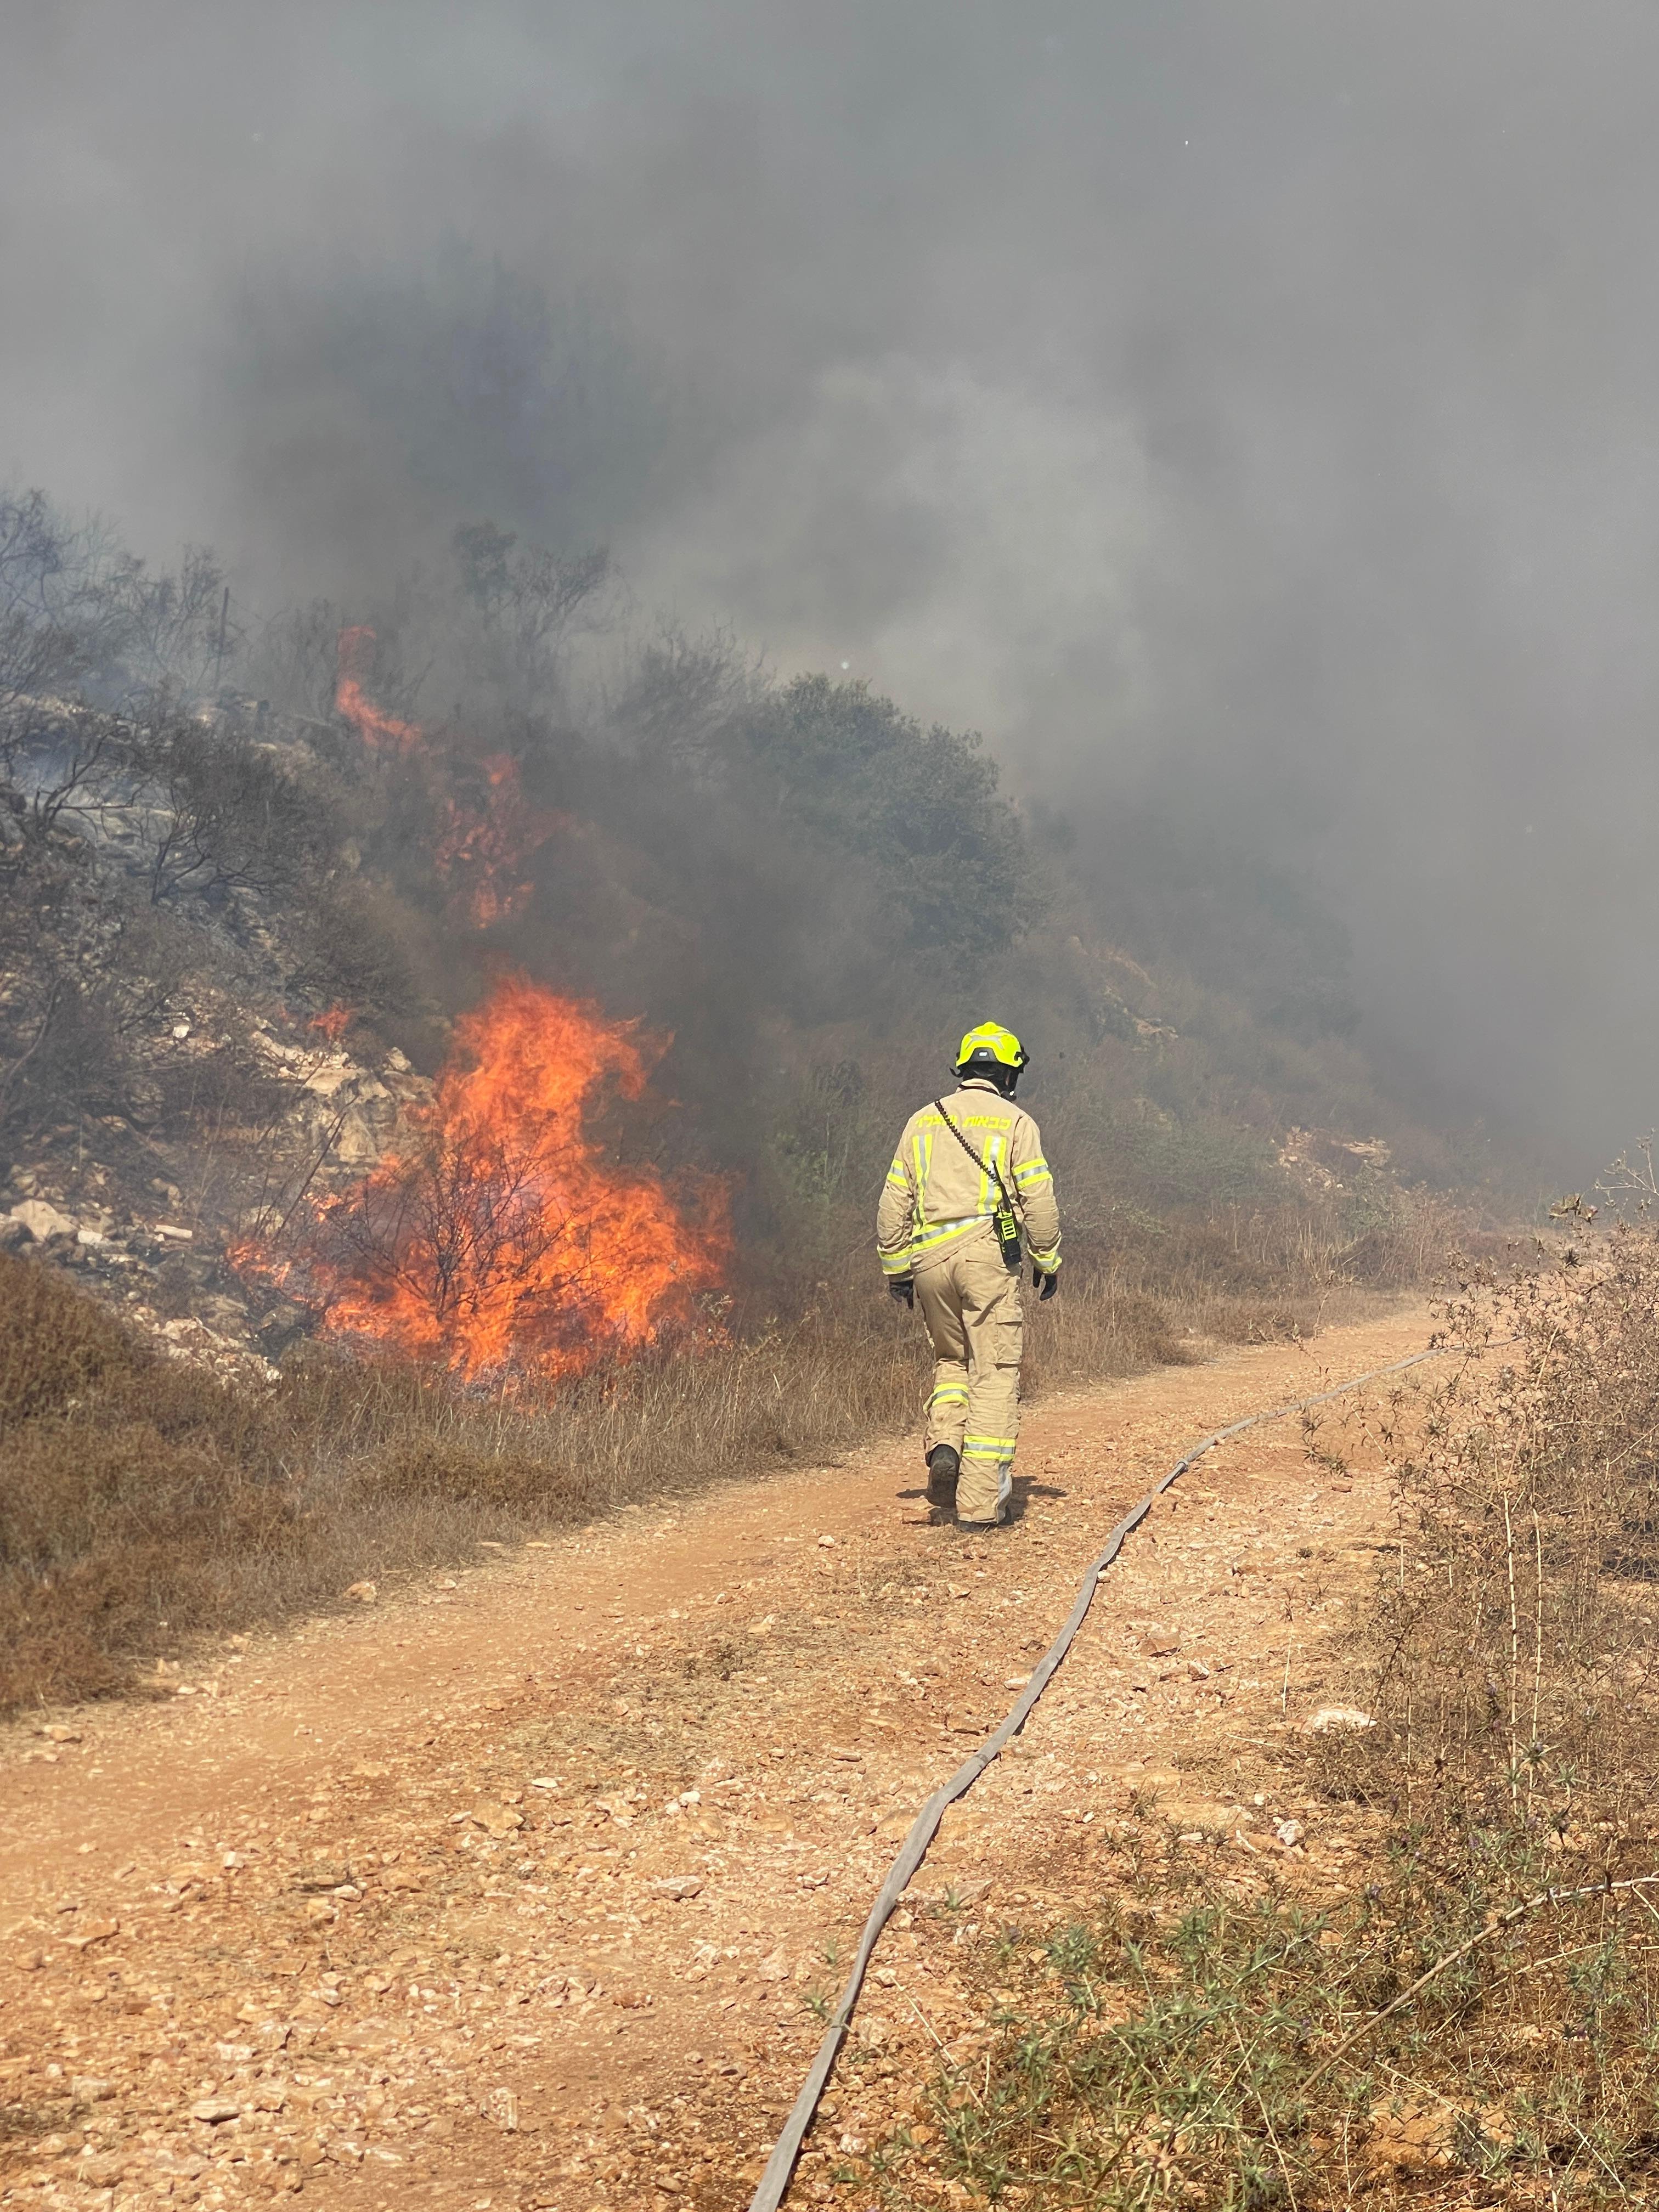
(202, 890)
(1478, 2022)
(142, 1501)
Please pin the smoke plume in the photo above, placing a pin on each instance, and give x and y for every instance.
(1245, 419)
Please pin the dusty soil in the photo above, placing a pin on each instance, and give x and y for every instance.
(526, 1888)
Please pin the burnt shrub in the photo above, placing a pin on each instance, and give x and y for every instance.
(232, 815)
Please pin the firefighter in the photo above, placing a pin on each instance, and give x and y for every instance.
(967, 1178)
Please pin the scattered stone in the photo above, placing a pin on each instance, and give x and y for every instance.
(679, 1887)
(1201, 1817)
(183, 2164)
(90, 2089)
(363, 1593)
(44, 1221)
(214, 2111)
(321, 1877)
(827, 1542)
(1160, 1643)
(1290, 1834)
(498, 1819)
(89, 1932)
(1337, 1720)
(1405, 2140)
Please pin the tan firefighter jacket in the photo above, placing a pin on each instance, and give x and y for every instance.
(935, 1198)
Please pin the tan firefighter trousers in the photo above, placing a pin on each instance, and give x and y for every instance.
(970, 1302)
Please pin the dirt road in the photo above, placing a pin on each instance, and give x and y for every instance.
(526, 1887)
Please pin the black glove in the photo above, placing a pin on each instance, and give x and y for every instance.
(903, 1286)
(1046, 1283)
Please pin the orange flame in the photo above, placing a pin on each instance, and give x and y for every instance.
(354, 657)
(505, 1238)
(333, 1025)
(480, 856)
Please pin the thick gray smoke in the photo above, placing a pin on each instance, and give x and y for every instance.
(1246, 416)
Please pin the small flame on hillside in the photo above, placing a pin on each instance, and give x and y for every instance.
(480, 854)
(354, 660)
(505, 1236)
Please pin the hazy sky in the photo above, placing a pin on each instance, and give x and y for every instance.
(1253, 407)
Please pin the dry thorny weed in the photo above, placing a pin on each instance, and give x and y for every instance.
(1479, 2020)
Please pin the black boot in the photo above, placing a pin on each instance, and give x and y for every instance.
(944, 1465)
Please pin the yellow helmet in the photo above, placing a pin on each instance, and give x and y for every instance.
(989, 1047)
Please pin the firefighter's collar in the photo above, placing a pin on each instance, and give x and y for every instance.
(979, 1083)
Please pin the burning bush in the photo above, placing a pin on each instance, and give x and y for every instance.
(485, 847)
(378, 731)
(487, 829)
(505, 1236)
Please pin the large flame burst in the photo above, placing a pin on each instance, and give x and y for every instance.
(504, 1237)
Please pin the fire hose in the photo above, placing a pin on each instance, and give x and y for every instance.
(781, 2165)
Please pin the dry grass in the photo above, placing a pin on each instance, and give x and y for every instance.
(1200, 2042)
(1519, 1629)
(1478, 2022)
(142, 1502)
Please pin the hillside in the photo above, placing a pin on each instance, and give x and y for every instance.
(436, 1079)
(240, 930)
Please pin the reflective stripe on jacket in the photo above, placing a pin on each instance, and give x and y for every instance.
(935, 1195)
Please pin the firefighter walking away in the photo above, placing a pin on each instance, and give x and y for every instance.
(968, 1187)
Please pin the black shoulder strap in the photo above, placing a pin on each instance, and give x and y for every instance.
(983, 1166)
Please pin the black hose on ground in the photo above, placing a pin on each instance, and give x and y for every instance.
(769, 2195)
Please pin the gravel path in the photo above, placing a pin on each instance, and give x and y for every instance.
(521, 1887)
